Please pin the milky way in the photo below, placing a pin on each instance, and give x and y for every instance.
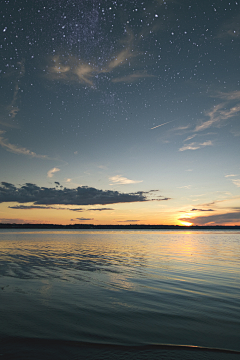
(144, 92)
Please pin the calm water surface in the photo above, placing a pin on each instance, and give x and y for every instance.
(122, 287)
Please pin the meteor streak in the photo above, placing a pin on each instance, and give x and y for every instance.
(162, 124)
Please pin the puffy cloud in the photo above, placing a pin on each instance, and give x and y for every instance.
(52, 171)
(202, 210)
(82, 195)
(220, 219)
(101, 209)
(120, 180)
(42, 207)
(13, 221)
(31, 207)
(128, 220)
(78, 210)
(82, 219)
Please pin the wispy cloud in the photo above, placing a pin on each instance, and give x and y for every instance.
(190, 137)
(71, 70)
(51, 172)
(196, 146)
(120, 180)
(74, 70)
(230, 28)
(9, 112)
(217, 115)
(236, 182)
(229, 96)
(120, 59)
(13, 108)
(131, 77)
(18, 150)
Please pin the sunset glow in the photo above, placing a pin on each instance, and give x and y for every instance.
(123, 115)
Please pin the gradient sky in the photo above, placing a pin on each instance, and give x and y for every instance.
(118, 112)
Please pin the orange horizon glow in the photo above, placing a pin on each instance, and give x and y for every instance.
(185, 223)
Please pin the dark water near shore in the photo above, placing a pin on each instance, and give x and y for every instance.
(126, 288)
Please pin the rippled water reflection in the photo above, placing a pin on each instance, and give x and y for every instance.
(122, 287)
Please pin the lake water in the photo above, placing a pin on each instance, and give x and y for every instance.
(107, 294)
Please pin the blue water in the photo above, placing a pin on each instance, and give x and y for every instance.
(126, 288)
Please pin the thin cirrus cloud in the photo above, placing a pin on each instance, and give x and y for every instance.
(18, 150)
(217, 115)
(195, 145)
(236, 182)
(73, 70)
(190, 137)
(230, 28)
(232, 95)
(13, 108)
(52, 171)
(82, 195)
(120, 180)
(132, 77)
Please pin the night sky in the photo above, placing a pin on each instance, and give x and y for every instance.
(118, 112)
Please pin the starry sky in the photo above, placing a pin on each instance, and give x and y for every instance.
(118, 112)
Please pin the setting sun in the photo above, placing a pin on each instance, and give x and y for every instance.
(185, 223)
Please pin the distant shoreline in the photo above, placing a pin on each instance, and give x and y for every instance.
(117, 227)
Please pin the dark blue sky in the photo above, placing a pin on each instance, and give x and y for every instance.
(125, 96)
